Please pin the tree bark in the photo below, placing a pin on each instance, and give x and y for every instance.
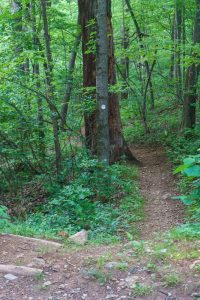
(115, 126)
(50, 89)
(141, 44)
(87, 11)
(36, 75)
(125, 59)
(69, 84)
(103, 139)
(177, 50)
(190, 97)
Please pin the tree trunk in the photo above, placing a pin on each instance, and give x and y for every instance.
(190, 97)
(87, 10)
(50, 89)
(125, 59)
(115, 126)
(69, 84)
(141, 44)
(36, 74)
(177, 50)
(103, 140)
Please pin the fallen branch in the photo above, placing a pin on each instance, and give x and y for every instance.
(27, 239)
(19, 270)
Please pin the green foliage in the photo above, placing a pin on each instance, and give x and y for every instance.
(172, 279)
(4, 217)
(140, 289)
(191, 169)
(186, 231)
(103, 200)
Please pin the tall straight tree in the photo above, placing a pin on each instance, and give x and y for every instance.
(70, 78)
(50, 88)
(190, 97)
(140, 36)
(87, 11)
(103, 140)
(177, 47)
(36, 75)
(125, 59)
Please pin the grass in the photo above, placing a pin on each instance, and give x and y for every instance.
(197, 268)
(172, 279)
(140, 289)
(101, 276)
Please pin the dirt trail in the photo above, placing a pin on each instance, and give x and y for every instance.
(158, 185)
(77, 273)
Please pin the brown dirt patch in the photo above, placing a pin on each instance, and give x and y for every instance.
(158, 185)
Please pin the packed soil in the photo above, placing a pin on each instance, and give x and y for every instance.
(158, 186)
(107, 272)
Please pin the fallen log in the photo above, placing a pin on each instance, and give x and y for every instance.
(27, 239)
(19, 270)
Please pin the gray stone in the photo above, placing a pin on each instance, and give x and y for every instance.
(112, 296)
(46, 284)
(10, 277)
(116, 265)
(79, 238)
(131, 281)
(37, 262)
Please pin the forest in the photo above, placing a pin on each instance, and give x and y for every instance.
(100, 141)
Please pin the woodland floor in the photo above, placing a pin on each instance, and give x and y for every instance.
(74, 273)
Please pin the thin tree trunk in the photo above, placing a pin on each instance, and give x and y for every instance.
(115, 126)
(125, 59)
(177, 50)
(190, 97)
(69, 84)
(141, 44)
(50, 89)
(103, 140)
(172, 56)
(36, 73)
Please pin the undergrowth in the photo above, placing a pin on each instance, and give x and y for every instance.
(104, 200)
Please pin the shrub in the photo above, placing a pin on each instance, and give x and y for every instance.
(191, 169)
(4, 217)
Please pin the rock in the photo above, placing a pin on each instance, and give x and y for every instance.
(10, 277)
(131, 280)
(112, 296)
(79, 238)
(116, 265)
(194, 264)
(84, 296)
(63, 286)
(46, 284)
(166, 196)
(195, 295)
(134, 269)
(37, 262)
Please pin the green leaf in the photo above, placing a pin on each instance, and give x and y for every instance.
(193, 171)
(181, 168)
(189, 161)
